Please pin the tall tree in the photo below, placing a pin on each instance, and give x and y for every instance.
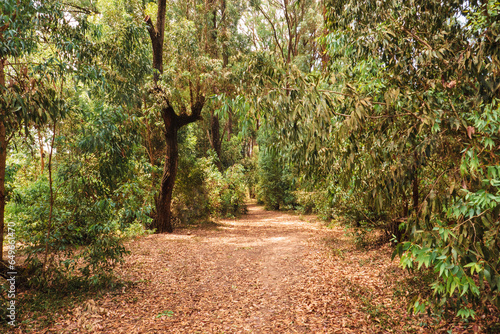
(172, 120)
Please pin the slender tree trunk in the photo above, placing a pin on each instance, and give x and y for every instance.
(405, 206)
(215, 138)
(214, 119)
(325, 58)
(51, 208)
(415, 192)
(150, 150)
(214, 31)
(225, 51)
(40, 142)
(415, 184)
(3, 160)
(229, 124)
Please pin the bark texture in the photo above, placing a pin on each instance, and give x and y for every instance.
(164, 199)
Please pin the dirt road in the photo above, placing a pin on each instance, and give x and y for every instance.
(268, 272)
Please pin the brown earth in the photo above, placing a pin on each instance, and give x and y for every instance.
(269, 272)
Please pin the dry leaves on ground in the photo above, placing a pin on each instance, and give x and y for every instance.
(268, 272)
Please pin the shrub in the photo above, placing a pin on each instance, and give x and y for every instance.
(275, 180)
(226, 190)
(79, 242)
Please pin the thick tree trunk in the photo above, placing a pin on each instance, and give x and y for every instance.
(164, 200)
(3, 160)
(157, 36)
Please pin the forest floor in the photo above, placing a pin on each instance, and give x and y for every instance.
(268, 272)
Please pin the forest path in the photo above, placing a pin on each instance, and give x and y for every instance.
(268, 272)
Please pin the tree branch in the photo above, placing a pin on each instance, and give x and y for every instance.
(274, 30)
(81, 9)
(195, 115)
(151, 27)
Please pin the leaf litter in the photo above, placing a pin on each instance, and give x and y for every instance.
(268, 272)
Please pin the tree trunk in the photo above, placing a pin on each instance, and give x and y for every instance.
(213, 34)
(40, 142)
(405, 206)
(415, 184)
(214, 119)
(51, 201)
(229, 124)
(3, 160)
(415, 192)
(225, 51)
(215, 138)
(164, 200)
(325, 57)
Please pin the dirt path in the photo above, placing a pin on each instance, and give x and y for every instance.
(267, 272)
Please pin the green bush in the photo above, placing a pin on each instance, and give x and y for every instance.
(80, 239)
(191, 201)
(226, 190)
(319, 202)
(275, 180)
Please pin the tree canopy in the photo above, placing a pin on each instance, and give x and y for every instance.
(120, 118)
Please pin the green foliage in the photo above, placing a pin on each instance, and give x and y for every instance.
(93, 201)
(463, 249)
(205, 192)
(390, 119)
(118, 36)
(191, 202)
(226, 191)
(319, 202)
(168, 313)
(201, 190)
(79, 230)
(275, 182)
(403, 130)
(15, 20)
(416, 99)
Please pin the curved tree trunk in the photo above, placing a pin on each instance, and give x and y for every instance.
(164, 200)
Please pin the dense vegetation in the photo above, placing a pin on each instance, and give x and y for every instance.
(122, 117)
